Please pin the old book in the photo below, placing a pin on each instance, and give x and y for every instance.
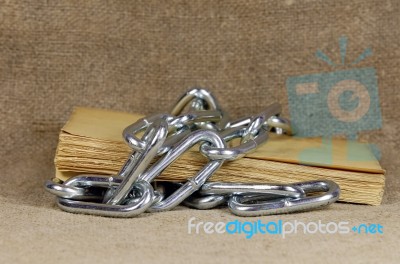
(91, 142)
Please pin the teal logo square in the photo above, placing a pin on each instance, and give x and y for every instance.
(342, 102)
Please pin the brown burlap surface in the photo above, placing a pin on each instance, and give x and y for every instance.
(139, 56)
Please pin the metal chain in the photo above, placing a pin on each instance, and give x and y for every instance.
(196, 118)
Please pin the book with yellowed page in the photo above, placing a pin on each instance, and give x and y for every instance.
(91, 142)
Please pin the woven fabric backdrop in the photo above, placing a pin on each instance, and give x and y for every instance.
(139, 56)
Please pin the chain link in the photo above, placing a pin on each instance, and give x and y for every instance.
(197, 118)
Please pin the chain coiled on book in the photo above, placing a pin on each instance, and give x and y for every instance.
(197, 118)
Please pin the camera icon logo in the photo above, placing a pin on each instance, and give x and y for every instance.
(342, 102)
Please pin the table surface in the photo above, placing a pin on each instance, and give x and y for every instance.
(34, 230)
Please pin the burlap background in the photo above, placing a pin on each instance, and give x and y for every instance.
(139, 56)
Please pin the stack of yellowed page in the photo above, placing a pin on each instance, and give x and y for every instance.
(91, 142)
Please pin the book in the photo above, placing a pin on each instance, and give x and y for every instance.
(91, 143)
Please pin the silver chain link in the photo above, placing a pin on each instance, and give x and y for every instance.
(168, 136)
